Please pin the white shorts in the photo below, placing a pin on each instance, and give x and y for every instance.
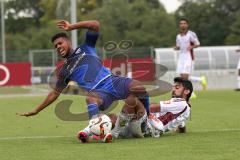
(184, 66)
(238, 67)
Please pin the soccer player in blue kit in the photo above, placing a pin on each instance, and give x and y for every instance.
(83, 66)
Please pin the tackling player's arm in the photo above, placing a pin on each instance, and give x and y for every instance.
(52, 96)
(91, 25)
(154, 108)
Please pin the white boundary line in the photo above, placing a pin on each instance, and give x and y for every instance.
(51, 137)
(34, 137)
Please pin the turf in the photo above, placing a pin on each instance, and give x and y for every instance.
(213, 133)
(13, 90)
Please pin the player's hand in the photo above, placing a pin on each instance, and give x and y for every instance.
(190, 48)
(65, 25)
(27, 114)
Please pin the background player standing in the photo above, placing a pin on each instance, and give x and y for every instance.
(186, 41)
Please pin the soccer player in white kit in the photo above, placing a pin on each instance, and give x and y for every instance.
(186, 41)
(238, 78)
(165, 116)
(172, 115)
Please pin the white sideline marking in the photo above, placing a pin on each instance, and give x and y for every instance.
(33, 137)
(49, 137)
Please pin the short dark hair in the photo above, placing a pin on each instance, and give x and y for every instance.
(186, 84)
(58, 35)
(184, 19)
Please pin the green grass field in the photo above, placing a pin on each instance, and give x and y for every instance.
(212, 134)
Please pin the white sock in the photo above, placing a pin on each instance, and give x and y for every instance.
(238, 82)
(195, 79)
(121, 121)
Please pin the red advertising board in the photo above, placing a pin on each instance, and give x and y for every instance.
(14, 74)
(142, 69)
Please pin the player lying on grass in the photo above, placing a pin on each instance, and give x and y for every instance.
(83, 66)
(171, 115)
(165, 116)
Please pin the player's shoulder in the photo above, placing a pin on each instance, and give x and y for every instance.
(179, 101)
(174, 100)
(178, 35)
(192, 33)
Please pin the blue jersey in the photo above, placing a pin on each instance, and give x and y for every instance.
(83, 66)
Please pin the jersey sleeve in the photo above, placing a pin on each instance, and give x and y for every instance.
(194, 38)
(172, 106)
(91, 38)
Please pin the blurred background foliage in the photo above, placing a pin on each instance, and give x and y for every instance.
(30, 24)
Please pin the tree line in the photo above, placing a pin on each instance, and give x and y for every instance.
(29, 24)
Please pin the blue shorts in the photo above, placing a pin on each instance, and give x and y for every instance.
(112, 89)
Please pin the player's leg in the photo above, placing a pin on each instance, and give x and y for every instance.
(139, 124)
(136, 88)
(201, 79)
(131, 114)
(94, 101)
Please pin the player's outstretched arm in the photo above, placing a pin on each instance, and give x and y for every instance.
(91, 25)
(52, 96)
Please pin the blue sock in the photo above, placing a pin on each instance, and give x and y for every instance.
(92, 110)
(145, 100)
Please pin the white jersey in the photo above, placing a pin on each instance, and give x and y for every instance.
(173, 113)
(185, 57)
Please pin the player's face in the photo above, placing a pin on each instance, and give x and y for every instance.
(183, 25)
(177, 90)
(62, 46)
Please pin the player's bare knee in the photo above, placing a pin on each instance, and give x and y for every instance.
(131, 101)
(128, 110)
